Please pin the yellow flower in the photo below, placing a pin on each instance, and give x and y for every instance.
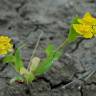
(5, 45)
(85, 30)
(86, 26)
(87, 19)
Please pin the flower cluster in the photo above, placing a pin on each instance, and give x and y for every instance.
(5, 45)
(86, 26)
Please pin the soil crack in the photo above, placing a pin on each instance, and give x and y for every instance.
(77, 45)
(62, 83)
(81, 91)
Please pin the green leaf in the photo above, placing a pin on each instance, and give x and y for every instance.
(17, 78)
(18, 61)
(9, 59)
(46, 64)
(29, 77)
(49, 49)
(23, 70)
(72, 33)
(34, 63)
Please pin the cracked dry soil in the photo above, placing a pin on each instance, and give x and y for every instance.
(26, 19)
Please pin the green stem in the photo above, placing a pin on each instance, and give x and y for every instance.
(62, 45)
(34, 51)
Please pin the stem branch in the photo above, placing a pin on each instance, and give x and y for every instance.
(34, 51)
(62, 45)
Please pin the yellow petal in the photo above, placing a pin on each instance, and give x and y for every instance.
(3, 52)
(87, 19)
(88, 35)
(5, 45)
(88, 15)
(85, 30)
(94, 30)
(78, 28)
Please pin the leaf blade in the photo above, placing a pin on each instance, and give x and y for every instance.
(18, 62)
(46, 64)
(72, 36)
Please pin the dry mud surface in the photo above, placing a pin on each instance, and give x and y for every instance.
(69, 76)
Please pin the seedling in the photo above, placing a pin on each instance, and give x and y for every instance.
(80, 27)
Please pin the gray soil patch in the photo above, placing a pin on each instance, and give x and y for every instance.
(26, 19)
